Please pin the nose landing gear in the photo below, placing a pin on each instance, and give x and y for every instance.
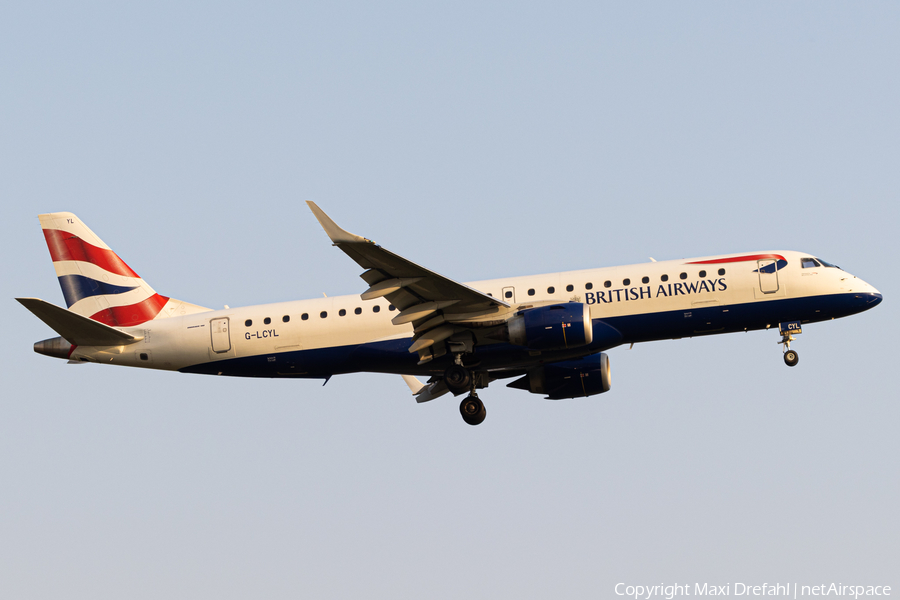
(791, 358)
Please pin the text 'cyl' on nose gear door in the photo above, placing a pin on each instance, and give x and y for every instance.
(768, 276)
(221, 339)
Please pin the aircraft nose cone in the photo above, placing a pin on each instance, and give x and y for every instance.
(875, 299)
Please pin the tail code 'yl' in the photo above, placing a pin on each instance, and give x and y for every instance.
(95, 282)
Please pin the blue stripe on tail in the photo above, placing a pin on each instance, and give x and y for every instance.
(76, 287)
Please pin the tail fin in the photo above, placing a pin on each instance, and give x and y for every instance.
(96, 283)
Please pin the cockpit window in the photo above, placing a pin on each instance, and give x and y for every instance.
(827, 264)
(809, 263)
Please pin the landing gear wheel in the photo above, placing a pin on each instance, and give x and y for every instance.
(791, 358)
(458, 379)
(472, 410)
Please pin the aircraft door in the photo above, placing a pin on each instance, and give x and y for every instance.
(221, 339)
(768, 276)
(509, 295)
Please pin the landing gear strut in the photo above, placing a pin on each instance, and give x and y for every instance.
(472, 410)
(791, 358)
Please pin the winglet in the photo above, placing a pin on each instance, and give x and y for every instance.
(337, 235)
(415, 386)
(425, 392)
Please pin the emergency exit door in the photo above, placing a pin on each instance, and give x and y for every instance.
(221, 339)
(768, 276)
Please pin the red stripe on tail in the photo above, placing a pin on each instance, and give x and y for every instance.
(66, 246)
(133, 314)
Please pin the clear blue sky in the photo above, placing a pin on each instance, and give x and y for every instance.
(482, 140)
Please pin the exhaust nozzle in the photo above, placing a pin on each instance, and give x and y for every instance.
(56, 347)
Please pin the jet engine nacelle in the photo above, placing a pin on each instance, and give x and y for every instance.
(568, 379)
(555, 327)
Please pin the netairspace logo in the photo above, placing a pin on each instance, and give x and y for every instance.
(787, 590)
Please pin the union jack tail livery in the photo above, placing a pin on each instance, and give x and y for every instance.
(96, 283)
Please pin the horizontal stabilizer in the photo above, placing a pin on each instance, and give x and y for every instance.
(76, 329)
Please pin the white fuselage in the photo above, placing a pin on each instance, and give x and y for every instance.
(687, 289)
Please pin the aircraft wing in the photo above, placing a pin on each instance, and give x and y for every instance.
(434, 304)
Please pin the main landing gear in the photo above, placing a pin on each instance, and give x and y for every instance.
(460, 380)
(472, 410)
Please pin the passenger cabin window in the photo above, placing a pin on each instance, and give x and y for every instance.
(357, 311)
(626, 281)
(508, 294)
(323, 314)
(392, 307)
(809, 263)
(702, 273)
(721, 271)
(248, 322)
(551, 289)
(607, 284)
(342, 313)
(683, 275)
(286, 318)
(376, 308)
(664, 278)
(304, 316)
(267, 320)
(531, 292)
(570, 287)
(645, 280)
(589, 286)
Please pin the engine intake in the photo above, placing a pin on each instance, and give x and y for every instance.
(568, 379)
(555, 327)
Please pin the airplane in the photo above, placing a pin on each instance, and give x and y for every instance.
(549, 333)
